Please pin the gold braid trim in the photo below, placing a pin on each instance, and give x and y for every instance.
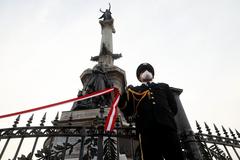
(138, 100)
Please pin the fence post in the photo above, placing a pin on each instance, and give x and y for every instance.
(185, 130)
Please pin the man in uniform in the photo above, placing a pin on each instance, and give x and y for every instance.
(152, 106)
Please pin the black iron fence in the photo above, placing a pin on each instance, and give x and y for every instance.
(69, 142)
(218, 145)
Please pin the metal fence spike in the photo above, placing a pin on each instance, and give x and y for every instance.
(56, 119)
(198, 127)
(225, 132)
(16, 121)
(29, 121)
(43, 119)
(232, 134)
(207, 128)
(238, 134)
(217, 130)
(57, 116)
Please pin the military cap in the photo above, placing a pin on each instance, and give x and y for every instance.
(143, 67)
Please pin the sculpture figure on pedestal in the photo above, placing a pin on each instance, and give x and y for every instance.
(105, 74)
(97, 81)
(107, 14)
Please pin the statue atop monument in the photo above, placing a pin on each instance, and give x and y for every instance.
(107, 14)
(104, 74)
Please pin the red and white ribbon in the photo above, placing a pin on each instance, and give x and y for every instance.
(112, 115)
(91, 95)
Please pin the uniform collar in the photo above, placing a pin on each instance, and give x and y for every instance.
(147, 83)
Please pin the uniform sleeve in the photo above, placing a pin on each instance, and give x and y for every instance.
(172, 101)
(125, 103)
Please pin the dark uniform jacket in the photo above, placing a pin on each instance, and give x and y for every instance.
(152, 106)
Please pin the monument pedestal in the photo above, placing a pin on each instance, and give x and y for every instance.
(83, 118)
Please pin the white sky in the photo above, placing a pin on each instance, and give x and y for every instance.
(193, 45)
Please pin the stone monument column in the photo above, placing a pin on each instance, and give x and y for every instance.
(103, 75)
(184, 129)
(106, 48)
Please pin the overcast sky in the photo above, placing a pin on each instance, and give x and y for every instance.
(193, 45)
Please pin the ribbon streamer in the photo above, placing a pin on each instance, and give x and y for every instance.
(112, 115)
(91, 95)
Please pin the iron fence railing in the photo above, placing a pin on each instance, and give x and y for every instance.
(220, 146)
(67, 142)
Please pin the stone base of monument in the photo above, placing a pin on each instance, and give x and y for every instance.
(84, 118)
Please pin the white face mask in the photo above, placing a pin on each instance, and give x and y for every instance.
(146, 76)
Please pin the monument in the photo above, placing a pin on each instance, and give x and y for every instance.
(106, 75)
(79, 133)
(103, 75)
